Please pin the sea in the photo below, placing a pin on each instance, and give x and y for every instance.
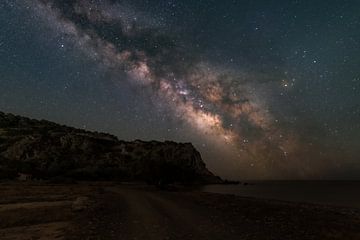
(334, 193)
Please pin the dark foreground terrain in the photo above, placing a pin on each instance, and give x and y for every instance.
(125, 211)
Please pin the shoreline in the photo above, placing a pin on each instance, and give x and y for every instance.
(334, 193)
(99, 210)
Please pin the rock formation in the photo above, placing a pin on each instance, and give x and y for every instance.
(47, 150)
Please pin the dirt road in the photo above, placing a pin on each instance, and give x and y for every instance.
(143, 214)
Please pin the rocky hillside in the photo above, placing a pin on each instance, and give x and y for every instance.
(46, 150)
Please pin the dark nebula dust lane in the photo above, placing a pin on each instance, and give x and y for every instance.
(233, 107)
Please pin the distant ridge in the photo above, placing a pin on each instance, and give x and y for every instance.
(46, 150)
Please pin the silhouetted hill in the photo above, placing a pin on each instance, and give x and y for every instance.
(46, 150)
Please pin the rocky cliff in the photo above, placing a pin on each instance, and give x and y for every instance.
(45, 149)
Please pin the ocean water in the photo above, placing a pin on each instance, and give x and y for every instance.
(336, 193)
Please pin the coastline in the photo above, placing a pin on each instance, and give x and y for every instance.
(107, 210)
(332, 193)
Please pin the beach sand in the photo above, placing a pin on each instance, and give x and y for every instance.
(133, 211)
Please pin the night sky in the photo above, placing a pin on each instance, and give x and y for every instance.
(265, 89)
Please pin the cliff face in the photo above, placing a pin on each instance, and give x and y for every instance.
(45, 149)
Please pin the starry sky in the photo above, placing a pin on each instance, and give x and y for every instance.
(264, 89)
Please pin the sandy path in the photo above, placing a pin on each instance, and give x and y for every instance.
(158, 215)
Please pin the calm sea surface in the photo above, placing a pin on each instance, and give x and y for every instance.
(337, 193)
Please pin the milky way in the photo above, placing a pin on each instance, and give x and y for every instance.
(218, 103)
(227, 106)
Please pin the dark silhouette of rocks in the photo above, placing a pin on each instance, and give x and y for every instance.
(48, 150)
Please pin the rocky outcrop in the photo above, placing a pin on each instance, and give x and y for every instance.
(46, 149)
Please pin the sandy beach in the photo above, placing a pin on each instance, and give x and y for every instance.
(133, 211)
